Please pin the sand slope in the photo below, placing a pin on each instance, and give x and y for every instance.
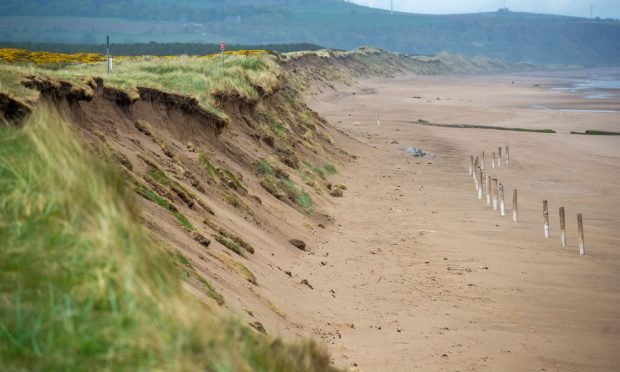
(417, 274)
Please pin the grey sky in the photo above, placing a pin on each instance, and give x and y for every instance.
(581, 8)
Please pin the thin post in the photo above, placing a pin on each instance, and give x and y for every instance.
(493, 161)
(582, 247)
(507, 154)
(515, 209)
(476, 184)
(489, 192)
(562, 228)
(107, 55)
(482, 164)
(494, 187)
(499, 158)
(480, 187)
(502, 209)
(476, 166)
(471, 164)
(546, 218)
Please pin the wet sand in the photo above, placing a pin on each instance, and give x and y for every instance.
(418, 274)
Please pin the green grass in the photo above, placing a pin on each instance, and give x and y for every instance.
(330, 169)
(236, 266)
(264, 167)
(229, 176)
(206, 164)
(290, 99)
(83, 286)
(227, 234)
(274, 124)
(211, 292)
(152, 196)
(230, 244)
(297, 194)
(205, 79)
(279, 185)
(182, 259)
(191, 271)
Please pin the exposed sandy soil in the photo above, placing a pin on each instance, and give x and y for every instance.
(418, 274)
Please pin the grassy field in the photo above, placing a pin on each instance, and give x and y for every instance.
(204, 78)
(83, 285)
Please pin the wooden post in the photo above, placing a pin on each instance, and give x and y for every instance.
(471, 164)
(476, 179)
(482, 164)
(493, 161)
(489, 192)
(494, 187)
(582, 247)
(546, 218)
(502, 209)
(562, 228)
(507, 154)
(515, 209)
(499, 157)
(475, 175)
(480, 187)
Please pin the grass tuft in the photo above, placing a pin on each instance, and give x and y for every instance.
(236, 266)
(152, 196)
(206, 164)
(230, 244)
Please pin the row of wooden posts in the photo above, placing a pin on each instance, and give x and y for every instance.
(494, 191)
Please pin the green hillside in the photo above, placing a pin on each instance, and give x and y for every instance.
(336, 24)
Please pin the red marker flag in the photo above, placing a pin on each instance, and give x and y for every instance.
(222, 46)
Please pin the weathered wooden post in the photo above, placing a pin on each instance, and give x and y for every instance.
(582, 247)
(507, 154)
(480, 187)
(494, 187)
(476, 179)
(515, 209)
(471, 164)
(493, 160)
(502, 209)
(476, 162)
(499, 158)
(546, 218)
(489, 192)
(482, 164)
(562, 228)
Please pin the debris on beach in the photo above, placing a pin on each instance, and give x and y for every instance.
(415, 152)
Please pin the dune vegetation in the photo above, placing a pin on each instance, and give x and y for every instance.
(245, 75)
(83, 285)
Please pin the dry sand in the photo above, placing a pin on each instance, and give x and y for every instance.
(418, 274)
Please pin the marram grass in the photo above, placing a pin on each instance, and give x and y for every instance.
(243, 77)
(84, 287)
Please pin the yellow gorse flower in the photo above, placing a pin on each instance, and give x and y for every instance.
(11, 55)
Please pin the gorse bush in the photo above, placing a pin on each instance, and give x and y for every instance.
(83, 286)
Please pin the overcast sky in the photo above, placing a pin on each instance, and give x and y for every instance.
(581, 8)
